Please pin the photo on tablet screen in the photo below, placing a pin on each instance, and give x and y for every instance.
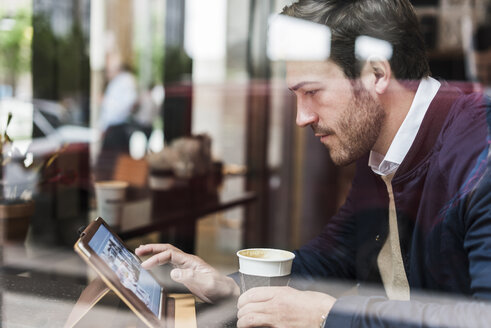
(127, 268)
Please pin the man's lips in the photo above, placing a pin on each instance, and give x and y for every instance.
(323, 137)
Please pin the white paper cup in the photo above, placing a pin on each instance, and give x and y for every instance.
(110, 197)
(264, 267)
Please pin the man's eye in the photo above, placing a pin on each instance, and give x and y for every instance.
(310, 92)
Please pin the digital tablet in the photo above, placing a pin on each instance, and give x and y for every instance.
(121, 271)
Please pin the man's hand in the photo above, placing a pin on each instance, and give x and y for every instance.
(282, 307)
(198, 276)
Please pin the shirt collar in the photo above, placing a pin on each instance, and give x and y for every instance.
(384, 165)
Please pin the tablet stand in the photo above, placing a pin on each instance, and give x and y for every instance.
(92, 294)
(181, 306)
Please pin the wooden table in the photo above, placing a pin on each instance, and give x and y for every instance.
(179, 209)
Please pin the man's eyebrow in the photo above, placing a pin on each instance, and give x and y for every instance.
(301, 84)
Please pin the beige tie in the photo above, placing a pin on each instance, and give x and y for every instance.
(389, 260)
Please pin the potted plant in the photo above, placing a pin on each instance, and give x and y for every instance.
(16, 204)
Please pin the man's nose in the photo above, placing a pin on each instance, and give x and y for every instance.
(305, 116)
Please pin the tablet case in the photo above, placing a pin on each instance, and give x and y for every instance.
(180, 307)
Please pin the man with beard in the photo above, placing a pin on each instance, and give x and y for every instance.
(418, 215)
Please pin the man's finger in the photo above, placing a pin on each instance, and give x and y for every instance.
(157, 259)
(256, 295)
(170, 255)
(152, 249)
(252, 308)
(254, 320)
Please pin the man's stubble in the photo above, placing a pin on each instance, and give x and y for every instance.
(358, 128)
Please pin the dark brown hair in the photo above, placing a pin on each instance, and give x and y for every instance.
(391, 20)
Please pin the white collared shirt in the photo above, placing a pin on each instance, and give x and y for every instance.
(408, 130)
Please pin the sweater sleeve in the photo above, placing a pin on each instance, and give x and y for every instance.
(374, 311)
(477, 241)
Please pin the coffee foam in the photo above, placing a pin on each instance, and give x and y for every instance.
(267, 254)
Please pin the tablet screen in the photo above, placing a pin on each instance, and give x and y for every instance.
(126, 266)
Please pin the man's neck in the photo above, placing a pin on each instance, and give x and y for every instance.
(396, 102)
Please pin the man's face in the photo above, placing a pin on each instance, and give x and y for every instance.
(342, 113)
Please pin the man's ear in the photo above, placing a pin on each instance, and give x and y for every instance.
(378, 72)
